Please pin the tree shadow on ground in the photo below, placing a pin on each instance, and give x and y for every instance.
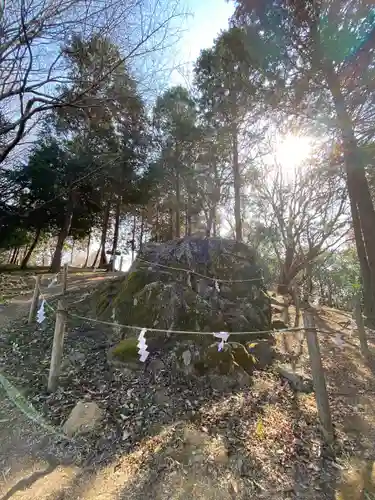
(264, 431)
(27, 482)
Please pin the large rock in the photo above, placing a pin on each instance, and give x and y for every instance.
(153, 294)
(159, 293)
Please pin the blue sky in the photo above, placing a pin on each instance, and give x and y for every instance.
(208, 18)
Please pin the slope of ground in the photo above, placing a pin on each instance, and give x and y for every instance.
(166, 437)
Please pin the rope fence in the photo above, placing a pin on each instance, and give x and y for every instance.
(189, 271)
(309, 328)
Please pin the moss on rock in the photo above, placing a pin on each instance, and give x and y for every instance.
(156, 294)
(227, 360)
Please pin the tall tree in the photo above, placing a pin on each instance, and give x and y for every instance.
(227, 83)
(33, 35)
(175, 126)
(323, 53)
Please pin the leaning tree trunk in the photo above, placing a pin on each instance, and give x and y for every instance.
(27, 256)
(14, 255)
(17, 255)
(96, 257)
(103, 256)
(63, 234)
(237, 184)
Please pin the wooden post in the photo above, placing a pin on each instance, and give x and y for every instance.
(361, 328)
(65, 278)
(121, 262)
(285, 319)
(317, 371)
(113, 263)
(35, 300)
(57, 347)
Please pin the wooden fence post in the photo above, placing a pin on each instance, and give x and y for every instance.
(319, 382)
(34, 300)
(65, 278)
(121, 262)
(361, 328)
(57, 347)
(285, 319)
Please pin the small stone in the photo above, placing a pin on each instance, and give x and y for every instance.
(155, 366)
(125, 435)
(161, 397)
(193, 437)
(186, 356)
(77, 357)
(84, 417)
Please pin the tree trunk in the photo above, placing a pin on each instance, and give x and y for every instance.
(63, 234)
(16, 256)
(237, 185)
(188, 216)
(178, 205)
(295, 296)
(329, 296)
(26, 257)
(133, 236)
(87, 251)
(368, 293)
(96, 257)
(358, 189)
(13, 257)
(211, 221)
(116, 232)
(171, 224)
(308, 285)
(157, 224)
(141, 232)
(72, 252)
(321, 289)
(103, 257)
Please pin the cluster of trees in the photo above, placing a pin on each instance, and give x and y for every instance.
(107, 165)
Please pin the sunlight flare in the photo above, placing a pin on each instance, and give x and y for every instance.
(292, 150)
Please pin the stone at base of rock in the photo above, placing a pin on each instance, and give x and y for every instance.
(124, 355)
(239, 379)
(298, 382)
(85, 417)
(262, 352)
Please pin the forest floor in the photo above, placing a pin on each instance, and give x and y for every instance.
(165, 437)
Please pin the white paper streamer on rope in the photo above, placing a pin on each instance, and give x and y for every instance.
(41, 315)
(217, 286)
(224, 337)
(189, 280)
(142, 346)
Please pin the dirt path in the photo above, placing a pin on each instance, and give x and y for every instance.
(31, 460)
(18, 306)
